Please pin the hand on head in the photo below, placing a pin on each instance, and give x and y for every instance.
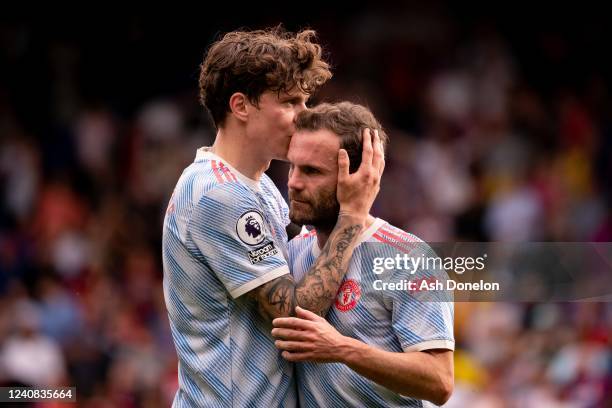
(357, 191)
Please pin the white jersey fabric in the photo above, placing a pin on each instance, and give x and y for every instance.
(397, 321)
(224, 235)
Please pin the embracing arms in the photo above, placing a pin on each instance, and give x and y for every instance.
(316, 291)
(425, 374)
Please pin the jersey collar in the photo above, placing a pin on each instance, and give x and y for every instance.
(205, 153)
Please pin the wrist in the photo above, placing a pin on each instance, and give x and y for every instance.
(352, 218)
(350, 351)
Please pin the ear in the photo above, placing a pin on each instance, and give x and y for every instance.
(238, 104)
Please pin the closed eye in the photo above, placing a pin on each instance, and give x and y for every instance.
(295, 101)
(310, 170)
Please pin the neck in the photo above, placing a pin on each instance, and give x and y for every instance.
(324, 231)
(233, 147)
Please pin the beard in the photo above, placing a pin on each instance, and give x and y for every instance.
(321, 210)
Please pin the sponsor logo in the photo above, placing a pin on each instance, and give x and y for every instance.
(261, 253)
(250, 228)
(348, 295)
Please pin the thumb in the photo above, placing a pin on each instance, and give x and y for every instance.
(306, 314)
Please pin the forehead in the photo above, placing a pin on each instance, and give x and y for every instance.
(314, 148)
(291, 94)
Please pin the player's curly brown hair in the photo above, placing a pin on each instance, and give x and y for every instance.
(345, 119)
(253, 62)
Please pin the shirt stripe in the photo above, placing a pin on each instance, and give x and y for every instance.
(392, 321)
(225, 350)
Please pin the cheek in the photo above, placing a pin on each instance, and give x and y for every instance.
(285, 118)
(331, 193)
(327, 190)
(331, 183)
(257, 123)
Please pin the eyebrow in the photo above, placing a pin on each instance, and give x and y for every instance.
(313, 166)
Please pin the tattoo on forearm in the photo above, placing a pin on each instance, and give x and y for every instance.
(280, 295)
(277, 297)
(319, 287)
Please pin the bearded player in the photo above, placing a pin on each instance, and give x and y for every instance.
(380, 348)
(224, 237)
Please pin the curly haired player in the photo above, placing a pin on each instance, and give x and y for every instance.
(224, 238)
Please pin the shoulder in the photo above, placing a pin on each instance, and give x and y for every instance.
(398, 239)
(205, 177)
(392, 233)
(213, 181)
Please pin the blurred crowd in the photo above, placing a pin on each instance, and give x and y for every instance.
(493, 137)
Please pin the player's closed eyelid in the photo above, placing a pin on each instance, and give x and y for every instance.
(310, 170)
(297, 101)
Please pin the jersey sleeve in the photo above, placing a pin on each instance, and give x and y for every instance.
(231, 232)
(422, 319)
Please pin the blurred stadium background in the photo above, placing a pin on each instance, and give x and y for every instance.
(501, 129)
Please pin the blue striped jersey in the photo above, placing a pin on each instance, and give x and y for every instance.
(224, 235)
(392, 320)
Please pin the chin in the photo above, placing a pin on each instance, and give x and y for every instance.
(282, 157)
(299, 219)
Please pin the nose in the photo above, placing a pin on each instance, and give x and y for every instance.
(299, 107)
(295, 181)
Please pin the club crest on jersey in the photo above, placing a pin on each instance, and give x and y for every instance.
(250, 228)
(348, 295)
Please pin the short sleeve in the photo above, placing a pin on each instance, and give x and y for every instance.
(422, 320)
(424, 326)
(231, 230)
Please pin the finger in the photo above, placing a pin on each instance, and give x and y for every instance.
(288, 334)
(299, 346)
(366, 154)
(292, 323)
(343, 165)
(307, 314)
(296, 357)
(381, 166)
(378, 156)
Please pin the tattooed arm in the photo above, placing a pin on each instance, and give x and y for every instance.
(317, 290)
